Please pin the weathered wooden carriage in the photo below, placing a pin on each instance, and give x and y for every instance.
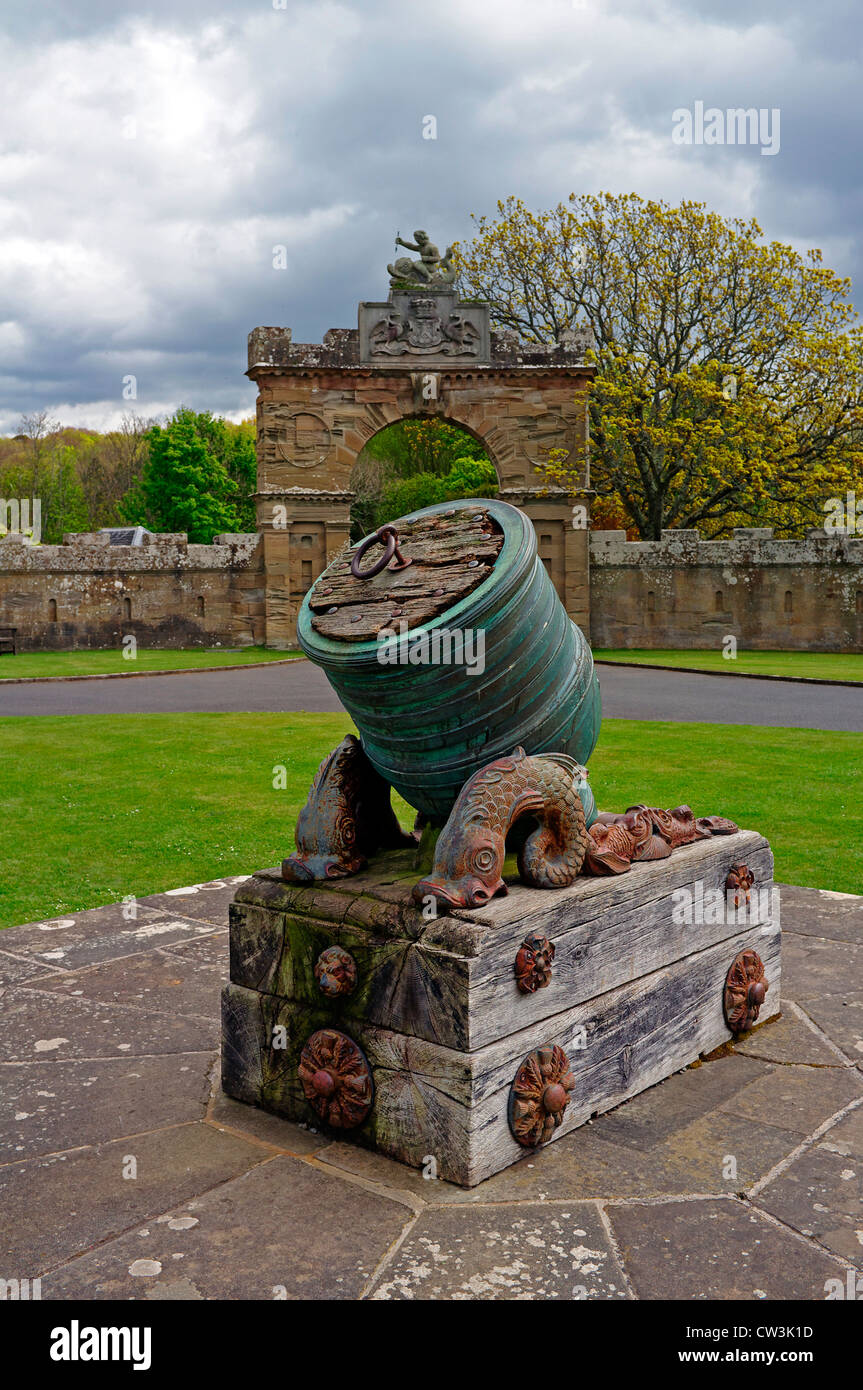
(433, 999)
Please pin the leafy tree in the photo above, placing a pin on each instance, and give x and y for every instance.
(110, 466)
(728, 369)
(185, 486)
(236, 449)
(468, 477)
(422, 446)
(422, 453)
(64, 506)
(53, 479)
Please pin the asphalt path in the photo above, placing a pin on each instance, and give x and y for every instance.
(627, 693)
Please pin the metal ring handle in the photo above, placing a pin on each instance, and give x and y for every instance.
(388, 537)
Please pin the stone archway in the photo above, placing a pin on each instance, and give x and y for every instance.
(422, 353)
(365, 473)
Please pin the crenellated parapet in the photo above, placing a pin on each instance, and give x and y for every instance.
(766, 592)
(163, 591)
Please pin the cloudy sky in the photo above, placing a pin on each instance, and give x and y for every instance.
(152, 155)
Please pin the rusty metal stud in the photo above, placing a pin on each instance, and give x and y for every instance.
(745, 989)
(533, 963)
(739, 881)
(336, 1079)
(539, 1095)
(336, 972)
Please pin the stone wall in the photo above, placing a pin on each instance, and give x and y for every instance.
(166, 593)
(677, 592)
(686, 592)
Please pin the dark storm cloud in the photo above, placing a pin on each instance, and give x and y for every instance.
(152, 157)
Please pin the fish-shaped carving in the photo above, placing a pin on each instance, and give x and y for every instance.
(470, 850)
(646, 832)
(346, 818)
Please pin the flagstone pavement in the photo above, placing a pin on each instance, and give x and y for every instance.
(125, 1173)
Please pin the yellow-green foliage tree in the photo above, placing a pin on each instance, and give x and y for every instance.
(727, 389)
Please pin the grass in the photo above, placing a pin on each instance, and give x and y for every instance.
(111, 661)
(829, 666)
(98, 807)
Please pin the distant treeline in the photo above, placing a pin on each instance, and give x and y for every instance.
(196, 472)
(193, 472)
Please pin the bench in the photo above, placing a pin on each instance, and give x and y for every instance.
(7, 639)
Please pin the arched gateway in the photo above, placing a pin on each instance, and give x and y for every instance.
(424, 352)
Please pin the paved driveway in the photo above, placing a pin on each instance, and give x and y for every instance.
(627, 693)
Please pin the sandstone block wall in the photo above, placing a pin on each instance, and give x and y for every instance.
(686, 592)
(166, 593)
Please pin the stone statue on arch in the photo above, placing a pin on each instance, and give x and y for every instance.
(432, 270)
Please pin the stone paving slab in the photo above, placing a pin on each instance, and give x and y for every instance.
(840, 1016)
(817, 912)
(71, 943)
(14, 970)
(821, 1195)
(56, 1206)
(170, 981)
(789, 1040)
(205, 902)
(813, 966)
(539, 1251)
(43, 1027)
(798, 1099)
(268, 1129)
(739, 1176)
(284, 1225)
(687, 1096)
(715, 1249)
(693, 1159)
(204, 950)
(47, 1107)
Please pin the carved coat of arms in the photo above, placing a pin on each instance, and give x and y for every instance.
(423, 332)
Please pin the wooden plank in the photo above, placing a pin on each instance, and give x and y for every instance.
(451, 981)
(453, 1105)
(637, 1035)
(631, 937)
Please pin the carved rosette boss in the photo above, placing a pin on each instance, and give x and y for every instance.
(533, 963)
(539, 1096)
(739, 881)
(336, 972)
(745, 989)
(336, 1079)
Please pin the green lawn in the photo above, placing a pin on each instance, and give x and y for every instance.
(829, 666)
(98, 807)
(111, 661)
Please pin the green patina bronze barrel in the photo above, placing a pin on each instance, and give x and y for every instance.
(518, 671)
